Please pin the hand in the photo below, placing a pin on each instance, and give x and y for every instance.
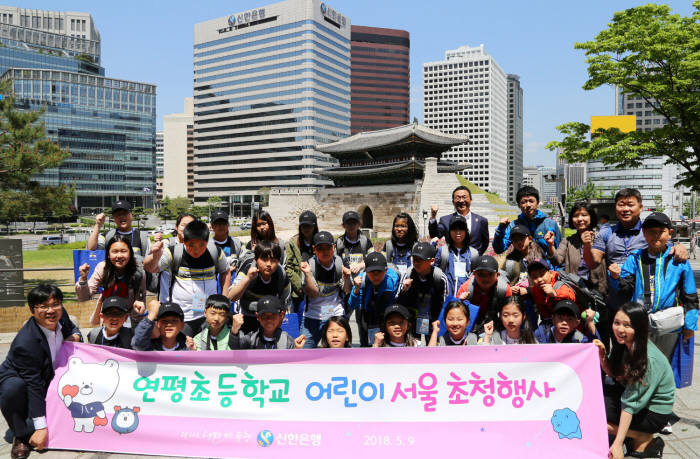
(305, 268)
(406, 284)
(587, 237)
(440, 242)
(236, 323)
(299, 342)
(378, 339)
(84, 270)
(139, 307)
(687, 334)
(522, 291)
(153, 307)
(356, 267)
(433, 211)
(157, 249)
(346, 272)
(436, 327)
(679, 252)
(602, 353)
(505, 221)
(614, 270)
(252, 272)
(73, 338)
(157, 237)
(488, 328)
(590, 315)
(464, 295)
(189, 342)
(39, 438)
(357, 282)
(549, 238)
(100, 220)
(616, 451)
(549, 290)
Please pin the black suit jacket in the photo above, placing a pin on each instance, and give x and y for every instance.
(479, 234)
(29, 358)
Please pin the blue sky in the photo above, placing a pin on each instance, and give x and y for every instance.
(151, 41)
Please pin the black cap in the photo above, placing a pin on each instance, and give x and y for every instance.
(113, 302)
(538, 263)
(351, 215)
(565, 306)
(170, 309)
(219, 215)
(657, 219)
(520, 230)
(119, 205)
(270, 304)
(375, 261)
(424, 250)
(485, 263)
(458, 220)
(397, 309)
(307, 218)
(323, 237)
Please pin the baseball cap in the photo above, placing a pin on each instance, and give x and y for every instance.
(520, 230)
(351, 215)
(566, 306)
(485, 263)
(657, 219)
(397, 309)
(270, 304)
(458, 220)
(170, 309)
(375, 261)
(119, 205)
(219, 215)
(115, 302)
(538, 263)
(323, 237)
(424, 250)
(307, 218)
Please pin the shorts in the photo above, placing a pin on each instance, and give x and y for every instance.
(642, 421)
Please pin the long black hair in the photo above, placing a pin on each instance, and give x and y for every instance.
(526, 334)
(411, 234)
(131, 274)
(631, 366)
(408, 339)
(254, 236)
(343, 322)
(585, 205)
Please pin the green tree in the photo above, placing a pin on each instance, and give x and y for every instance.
(586, 192)
(25, 151)
(688, 208)
(199, 211)
(213, 203)
(653, 56)
(179, 205)
(165, 212)
(140, 214)
(658, 203)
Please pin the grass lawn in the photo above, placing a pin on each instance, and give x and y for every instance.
(50, 258)
(492, 197)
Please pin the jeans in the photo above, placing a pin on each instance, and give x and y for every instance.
(311, 328)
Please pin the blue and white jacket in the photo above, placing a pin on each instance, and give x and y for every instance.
(386, 291)
(540, 225)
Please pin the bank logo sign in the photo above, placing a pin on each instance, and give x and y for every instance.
(333, 15)
(245, 18)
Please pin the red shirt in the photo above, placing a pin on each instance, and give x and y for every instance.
(545, 303)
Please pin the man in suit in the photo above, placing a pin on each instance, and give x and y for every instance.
(478, 226)
(29, 367)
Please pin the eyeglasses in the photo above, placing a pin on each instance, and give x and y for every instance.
(46, 307)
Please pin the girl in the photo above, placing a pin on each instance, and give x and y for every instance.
(300, 249)
(455, 257)
(641, 402)
(117, 275)
(395, 329)
(263, 229)
(512, 328)
(336, 333)
(456, 320)
(398, 249)
(182, 221)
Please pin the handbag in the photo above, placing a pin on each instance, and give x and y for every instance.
(667, 320)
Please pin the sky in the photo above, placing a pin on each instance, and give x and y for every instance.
(151, 41)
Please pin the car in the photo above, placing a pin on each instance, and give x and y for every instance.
(53, 240)
(246, 226)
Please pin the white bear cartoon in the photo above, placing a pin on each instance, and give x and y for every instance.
(84, 387)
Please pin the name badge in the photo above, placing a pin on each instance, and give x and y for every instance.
(199, 300)
(402, 268)
(327, 312)
(460, 269)
(355, 258)
(422, 326)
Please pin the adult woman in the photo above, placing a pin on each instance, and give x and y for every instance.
(300, 249)
(583, 219)
(403, 236)
(117, 275)
(263, 228)
(640, 403)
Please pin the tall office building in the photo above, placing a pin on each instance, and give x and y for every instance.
(532, 176)
(515, 136)
(379, 78)
(178, 153)
(269, 85)
(107, 124)
(159, 166)
(466, 94)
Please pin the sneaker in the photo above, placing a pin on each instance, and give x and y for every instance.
(667, 430)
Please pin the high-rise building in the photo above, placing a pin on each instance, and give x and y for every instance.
(379, 78)
(572, 175)
(532, 176)
(178, 153)
(466, 94)
(270, 84)
(108, 125)
(515, 136)
(159, 166)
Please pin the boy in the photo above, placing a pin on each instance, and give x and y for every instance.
(563, 326)
(545, 290)
(325, 282)
(170, 321)
(423, 289)
(653, 278)
(230, 246)
(256, 278)
(194, 266)
(113, 333)
(353, 246)
(270, 314)
(372, 293)
(486, 289)
(215, 336)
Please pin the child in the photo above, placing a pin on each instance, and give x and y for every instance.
(397, 249)
(373, 291)
(353, 246)
(326, 281)
(456, 256)
(486, 289)
(270, 314)
(169, 320)
(230, 246)
(194, 266)
(562, 327)
(300, 248)
(257, 278)
(423, 289)
(545, 290)
(514, 264)
(336, 333)
(395, 329)
(214, 337)
(511, 327)
(457, 321)
(113, 333)
(654, 279)
(263, 229)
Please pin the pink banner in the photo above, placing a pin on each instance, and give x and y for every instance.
(491, 401)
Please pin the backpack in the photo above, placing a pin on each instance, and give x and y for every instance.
(510, 270)
(152, 280)
(498, 297)
(281, 343)
(235, 245)
(445, 256)
(586, 297)
(437, 278)
(340, 245)
(338, 267)
(177, 253)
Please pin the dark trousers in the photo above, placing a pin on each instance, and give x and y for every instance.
(15, 407)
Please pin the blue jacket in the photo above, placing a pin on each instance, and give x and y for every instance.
(386, 291)
(674, 284)
(538, 226)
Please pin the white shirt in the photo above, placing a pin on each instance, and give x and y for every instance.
(55, 340)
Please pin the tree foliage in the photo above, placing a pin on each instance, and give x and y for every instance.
(654, 56)
(587, 192)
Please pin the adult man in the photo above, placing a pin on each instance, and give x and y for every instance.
(477, 225)
(29, 367)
